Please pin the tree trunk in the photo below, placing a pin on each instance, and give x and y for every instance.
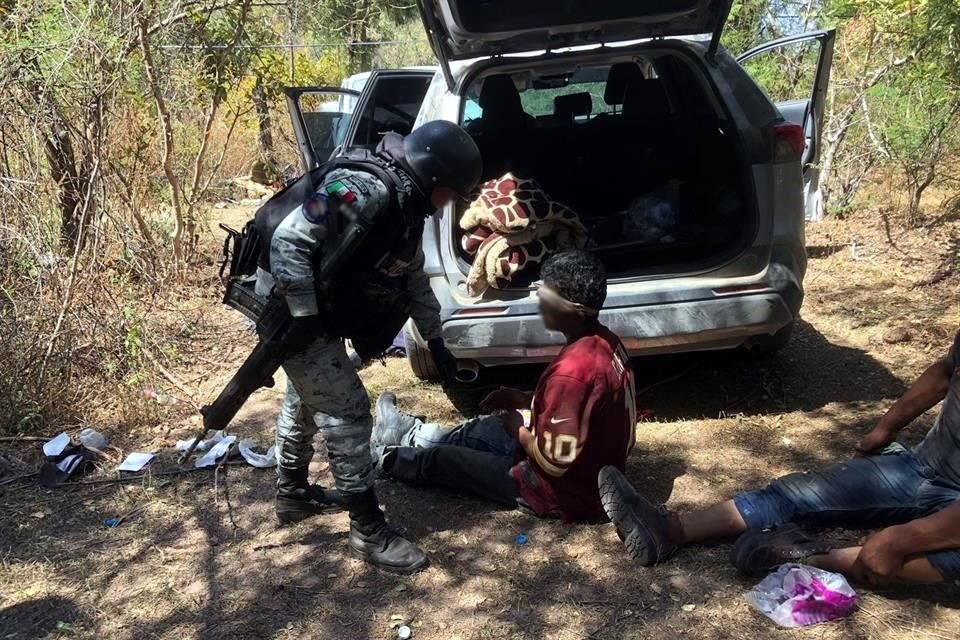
(166, 127)
(261, 102)
(359, 55)
(72, 183)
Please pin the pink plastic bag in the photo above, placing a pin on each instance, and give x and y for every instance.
(796, 595)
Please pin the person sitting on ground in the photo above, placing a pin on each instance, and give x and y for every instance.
(583, 414)
(913, 493)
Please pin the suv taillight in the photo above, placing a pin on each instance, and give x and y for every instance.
(788, 142)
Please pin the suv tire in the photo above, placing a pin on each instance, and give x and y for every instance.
(421, 362)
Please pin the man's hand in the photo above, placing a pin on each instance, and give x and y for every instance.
(505, 399)
(444, 360)
(880, 558)
(874, 441)
(512, 423)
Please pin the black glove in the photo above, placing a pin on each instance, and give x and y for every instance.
(302, 332)
(444, 360)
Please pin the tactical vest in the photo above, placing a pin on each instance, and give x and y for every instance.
(366, 300)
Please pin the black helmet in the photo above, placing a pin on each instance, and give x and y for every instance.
(443, 155)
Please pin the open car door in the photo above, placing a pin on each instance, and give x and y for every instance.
(390, 102)
(795, 73)
(320, 117)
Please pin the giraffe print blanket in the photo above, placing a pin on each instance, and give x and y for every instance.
(509, 228)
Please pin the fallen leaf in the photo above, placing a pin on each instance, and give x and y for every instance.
(656, 588)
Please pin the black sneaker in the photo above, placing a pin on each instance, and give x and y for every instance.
(641, 526)
(759, 551)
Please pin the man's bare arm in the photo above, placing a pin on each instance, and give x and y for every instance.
(940, 530)
(885, 553)
(926, 392)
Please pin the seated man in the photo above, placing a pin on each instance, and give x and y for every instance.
(914, 493)
(583, 414)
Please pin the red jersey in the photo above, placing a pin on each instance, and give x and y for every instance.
(583, 417)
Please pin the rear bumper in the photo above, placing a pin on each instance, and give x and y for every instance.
(719, 323)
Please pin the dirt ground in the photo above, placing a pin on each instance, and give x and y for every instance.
(199, 555)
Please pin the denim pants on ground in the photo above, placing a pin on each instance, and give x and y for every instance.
(475, 457)
(870, 492)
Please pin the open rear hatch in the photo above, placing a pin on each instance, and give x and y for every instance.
(460, 29)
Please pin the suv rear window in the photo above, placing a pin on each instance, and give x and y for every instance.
(539, 102)
(491, 16)
(537, 93)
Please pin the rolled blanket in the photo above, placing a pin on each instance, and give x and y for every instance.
(510, 227)
(510, 205)
(500, 264)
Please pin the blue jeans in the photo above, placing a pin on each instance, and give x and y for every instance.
(871, 492)
(485, 433)
(476, 457)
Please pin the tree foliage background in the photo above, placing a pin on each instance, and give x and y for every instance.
(122, 120)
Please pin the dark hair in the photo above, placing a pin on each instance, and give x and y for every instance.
(578, 276)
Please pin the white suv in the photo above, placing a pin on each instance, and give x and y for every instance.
(604, 103)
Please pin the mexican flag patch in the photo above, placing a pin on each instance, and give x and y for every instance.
(341, 191)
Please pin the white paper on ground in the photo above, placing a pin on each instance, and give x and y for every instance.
(210, 457)
(136, 461)
(259, 460)
(183, 445)
(55, 446)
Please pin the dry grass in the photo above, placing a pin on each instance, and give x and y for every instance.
(202, 558)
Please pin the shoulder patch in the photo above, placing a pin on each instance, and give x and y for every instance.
(315, 208)
(340, 190)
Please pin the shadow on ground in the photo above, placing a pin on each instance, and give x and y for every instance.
(39, 617)
(808, 374)
(201, 556)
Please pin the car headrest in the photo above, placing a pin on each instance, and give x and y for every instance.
(499, 96)
(574, 104)
(646, 98)
(620, 77)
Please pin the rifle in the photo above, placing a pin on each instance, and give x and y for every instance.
(257, 370)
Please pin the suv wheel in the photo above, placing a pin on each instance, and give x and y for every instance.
(767, 344)
(421, 362)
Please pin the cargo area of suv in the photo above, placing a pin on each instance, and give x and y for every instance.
(638, 148)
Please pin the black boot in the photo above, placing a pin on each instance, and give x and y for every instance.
(297, 499)
(375, 541)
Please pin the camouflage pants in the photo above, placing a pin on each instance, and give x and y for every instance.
(324, 393)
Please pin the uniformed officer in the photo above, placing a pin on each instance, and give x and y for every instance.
(381, 277)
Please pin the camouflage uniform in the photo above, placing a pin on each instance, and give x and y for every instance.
(324, 391)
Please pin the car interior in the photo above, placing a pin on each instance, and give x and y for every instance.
(393, 106)
(635, 148)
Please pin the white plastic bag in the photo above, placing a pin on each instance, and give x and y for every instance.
(796, 595)
(203, 445)
(216, 452)
(260, 460)
(93, 440)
